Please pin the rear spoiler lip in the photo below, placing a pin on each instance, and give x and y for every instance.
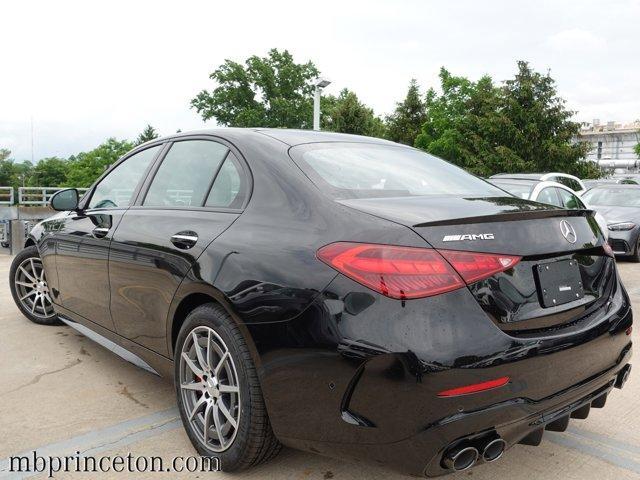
(508, 217)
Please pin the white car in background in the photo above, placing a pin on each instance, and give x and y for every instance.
(545, 191)
(570, 181)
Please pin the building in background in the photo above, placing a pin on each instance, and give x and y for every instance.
(613, 144)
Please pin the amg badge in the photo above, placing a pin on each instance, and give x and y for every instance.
(478, 236)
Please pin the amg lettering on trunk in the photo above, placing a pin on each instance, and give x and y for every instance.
(475, 236)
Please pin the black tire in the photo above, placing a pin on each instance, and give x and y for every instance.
(44, 317)
(254, 441)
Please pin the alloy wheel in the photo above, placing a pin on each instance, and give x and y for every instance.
(210, 388)
(31, 285)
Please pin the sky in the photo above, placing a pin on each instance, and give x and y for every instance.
(81, 72)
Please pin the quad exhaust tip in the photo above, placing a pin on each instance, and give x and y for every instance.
(494, 450)
(462, 459)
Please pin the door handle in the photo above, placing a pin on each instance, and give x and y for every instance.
(100, 232)
(184, 240)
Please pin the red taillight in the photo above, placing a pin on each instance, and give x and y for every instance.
(475, 388)
(410, 272)
(397, 272)
(475, 266)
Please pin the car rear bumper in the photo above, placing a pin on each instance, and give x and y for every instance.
(382, 404)
(518, 420)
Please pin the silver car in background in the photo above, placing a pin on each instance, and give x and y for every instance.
(620, 205)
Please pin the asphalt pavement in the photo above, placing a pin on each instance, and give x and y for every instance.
(61, 393)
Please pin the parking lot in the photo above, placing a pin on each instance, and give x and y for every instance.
(62, 393)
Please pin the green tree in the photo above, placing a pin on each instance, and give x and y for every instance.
(541, 131)
(637, 149)
(84, 168)
(148, 134)
(521, 126)
(7, 170)
(404, 124)
(271, 91)
(49, 172)
(461, 122)
(22, 173)
(7, 173)
(346, 114)
(13, 174)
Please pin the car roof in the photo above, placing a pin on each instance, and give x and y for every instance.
(514, 181)
(536, 176)
(615, 186)
(290, 137)
(519, 176)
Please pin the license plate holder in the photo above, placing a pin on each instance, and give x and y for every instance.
(559, 282)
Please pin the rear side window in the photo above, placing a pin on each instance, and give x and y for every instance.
(360, 170)
(549, 195)
(116, 189)
(186, 173)
(569, 200)
(230, 186)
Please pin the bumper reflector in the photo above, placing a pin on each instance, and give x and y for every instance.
(475, 388)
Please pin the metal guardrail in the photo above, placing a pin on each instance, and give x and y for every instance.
(4, 233)
(39, 196)
(6, 196)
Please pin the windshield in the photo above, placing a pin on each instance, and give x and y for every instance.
(622, 197)
(518, 189)
(366, 170)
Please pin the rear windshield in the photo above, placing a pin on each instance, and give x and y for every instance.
(365, 170)
(622, 197)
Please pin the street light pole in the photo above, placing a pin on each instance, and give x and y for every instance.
(320, 84)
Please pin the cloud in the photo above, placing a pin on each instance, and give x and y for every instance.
(86, 71)
(576, 40)
(593, 93)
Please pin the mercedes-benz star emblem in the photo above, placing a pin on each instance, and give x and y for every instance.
(568, 232)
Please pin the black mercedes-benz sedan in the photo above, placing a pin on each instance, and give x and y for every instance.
(338, 294)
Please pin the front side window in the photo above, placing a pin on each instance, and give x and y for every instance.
(186, 173)
(117, 188)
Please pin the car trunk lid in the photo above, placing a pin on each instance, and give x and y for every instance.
(564, 274)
